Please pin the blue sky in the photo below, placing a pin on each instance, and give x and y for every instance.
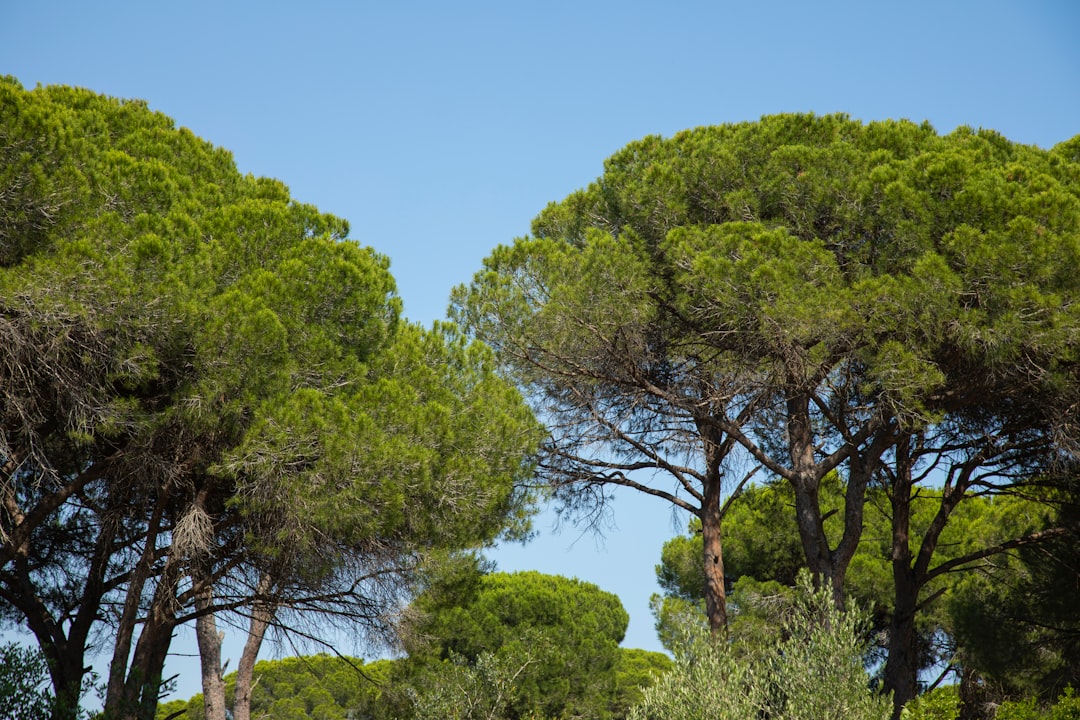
(439, 130)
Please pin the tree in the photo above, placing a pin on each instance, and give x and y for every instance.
(810, 666)
(481, 645)
(209, 403)
(1016, 620)
(517, 645)
(811, 295)
(765, 556)
(327, 687)
(964, 626)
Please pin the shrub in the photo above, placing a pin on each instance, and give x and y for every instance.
(811, 670)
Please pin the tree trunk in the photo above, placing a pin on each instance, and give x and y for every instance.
(261, 615)
(206, 633)
(68, 671)
(125, 631)
(807, 484)
(911, 573)
(901, 672)
(138, 696)
(65, 661)
(715, 592)
(900, 675)
(812, 530)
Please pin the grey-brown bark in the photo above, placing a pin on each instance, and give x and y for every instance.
(261, 617)
(209, 642)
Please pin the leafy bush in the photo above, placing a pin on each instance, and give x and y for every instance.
(23, 673)
(941, 703)
(1067, 707)
(811, 670)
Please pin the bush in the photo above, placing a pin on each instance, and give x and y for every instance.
(941, 703)
(811, 670)
(23, 678)
(1067, 707)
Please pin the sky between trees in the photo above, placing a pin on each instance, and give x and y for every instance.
(439, 131)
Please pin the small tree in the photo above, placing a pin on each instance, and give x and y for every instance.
(522, 645)
(810, 669)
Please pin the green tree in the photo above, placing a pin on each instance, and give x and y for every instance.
(810, 667)
(811, 295)
(209, 403)
(325, 687)
(523, 644)
(1016, 620)
(964, 623)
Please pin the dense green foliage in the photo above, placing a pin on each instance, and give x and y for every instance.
(552, 641)
(481, 645)
(206, 391)
(762, 543)
(1066, 707)
(811, 295)
(1009, 618)
(209, 403)
(944, 704)
(809, 666)
(1018, 621)
(322, 687)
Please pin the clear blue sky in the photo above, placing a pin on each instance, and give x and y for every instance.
(439, 130)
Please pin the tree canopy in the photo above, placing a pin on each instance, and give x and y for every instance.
(808, 295)
(210, 403)
(480, 645)
(553, 641)
(326, 687)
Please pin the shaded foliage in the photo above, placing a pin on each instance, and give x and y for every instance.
(23, 675)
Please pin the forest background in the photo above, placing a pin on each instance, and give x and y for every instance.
(440, 131)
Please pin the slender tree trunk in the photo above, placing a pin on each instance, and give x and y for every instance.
(911, 573)
(206, 634)
(139, 694)
(715, 592)
(125, 632)
(261, 616)
(901, 668)
(712, 510)
(807, 486)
